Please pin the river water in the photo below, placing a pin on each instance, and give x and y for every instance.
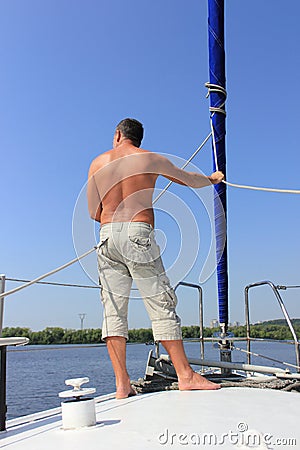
(36, 374)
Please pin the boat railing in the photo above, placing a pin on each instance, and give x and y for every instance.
(201, 322)
(275, 289)
(248, 338)
(200, 299)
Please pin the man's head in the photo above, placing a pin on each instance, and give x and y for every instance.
(130, 129)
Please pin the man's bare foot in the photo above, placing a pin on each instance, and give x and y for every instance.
(125, 392)
(196, 382)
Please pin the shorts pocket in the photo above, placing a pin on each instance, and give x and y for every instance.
(168, 292)
(140, 242)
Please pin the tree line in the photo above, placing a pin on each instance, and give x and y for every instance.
(56, 335)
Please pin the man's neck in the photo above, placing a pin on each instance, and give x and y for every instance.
(124, 141)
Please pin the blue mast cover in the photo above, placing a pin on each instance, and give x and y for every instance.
(217, 76)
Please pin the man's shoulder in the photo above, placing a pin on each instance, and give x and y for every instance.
(158, 162)
(152, 155)
(99, 161)
(154, 159)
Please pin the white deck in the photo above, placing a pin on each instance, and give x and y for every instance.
(169, 419)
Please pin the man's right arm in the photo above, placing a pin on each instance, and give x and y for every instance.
(193, 179)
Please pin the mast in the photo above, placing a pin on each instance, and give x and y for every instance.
(218, 116)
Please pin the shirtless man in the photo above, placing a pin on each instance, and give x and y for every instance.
(120, 189)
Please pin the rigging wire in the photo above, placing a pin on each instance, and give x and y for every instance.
(184, 166)
(265, 357)
(54, 283)
(287, 287)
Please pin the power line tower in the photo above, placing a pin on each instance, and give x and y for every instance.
(82, 316)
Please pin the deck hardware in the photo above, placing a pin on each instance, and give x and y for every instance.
(78, 412)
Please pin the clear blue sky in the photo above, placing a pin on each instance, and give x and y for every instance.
(71, 70)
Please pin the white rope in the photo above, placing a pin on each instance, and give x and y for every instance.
(256, 188)
(214, 144)
(220, 109)
(219, 90)
(64, 266)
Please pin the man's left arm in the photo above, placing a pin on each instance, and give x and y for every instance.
(94, 200)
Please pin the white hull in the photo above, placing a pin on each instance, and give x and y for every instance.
(169, 419)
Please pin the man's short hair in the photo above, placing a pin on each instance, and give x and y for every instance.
(131, 129)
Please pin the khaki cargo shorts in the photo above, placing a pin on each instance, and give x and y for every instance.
(127, 252)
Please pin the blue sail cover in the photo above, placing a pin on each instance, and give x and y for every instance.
(217, 76)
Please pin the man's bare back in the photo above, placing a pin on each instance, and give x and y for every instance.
(122, 180)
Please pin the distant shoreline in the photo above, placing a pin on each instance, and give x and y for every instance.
(272, 329)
